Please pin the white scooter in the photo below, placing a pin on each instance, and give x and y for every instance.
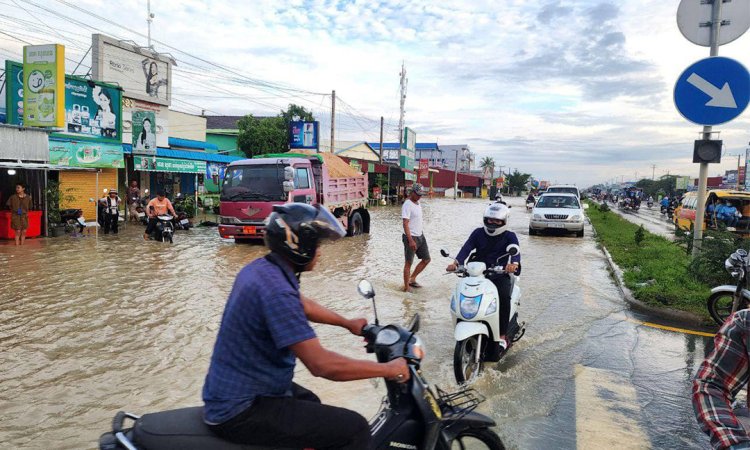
(476, 318)
(529, 206)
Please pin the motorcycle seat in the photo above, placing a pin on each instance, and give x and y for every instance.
(182, 429)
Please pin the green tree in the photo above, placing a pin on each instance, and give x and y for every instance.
(261, 135)
(517, 181)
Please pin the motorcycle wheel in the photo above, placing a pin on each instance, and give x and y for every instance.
(720, 306)
(465, 367)
(475, 439)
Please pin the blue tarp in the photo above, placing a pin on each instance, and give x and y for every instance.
(185, 154)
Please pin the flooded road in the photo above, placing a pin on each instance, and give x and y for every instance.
(651, 219)
(91, 326)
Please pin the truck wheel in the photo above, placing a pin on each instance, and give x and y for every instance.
(356, 225)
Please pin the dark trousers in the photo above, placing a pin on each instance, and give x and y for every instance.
(110, 222)
(502, 282)
(297, 421)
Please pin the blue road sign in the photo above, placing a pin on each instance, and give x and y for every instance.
(712, 91)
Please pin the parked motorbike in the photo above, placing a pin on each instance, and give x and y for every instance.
(181, 222)
(727, 299)
(141, 207)
(476, 318)
(411, 416)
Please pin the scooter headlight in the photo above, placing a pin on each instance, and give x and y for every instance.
(470, 306)
(453, 303)
(492, 309)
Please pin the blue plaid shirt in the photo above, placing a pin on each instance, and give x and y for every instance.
(251, 358)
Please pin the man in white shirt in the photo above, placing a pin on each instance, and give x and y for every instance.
(413, 238)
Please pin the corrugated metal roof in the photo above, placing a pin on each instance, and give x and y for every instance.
(186, 154)
(189, 143)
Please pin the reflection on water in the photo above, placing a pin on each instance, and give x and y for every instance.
(91, 326)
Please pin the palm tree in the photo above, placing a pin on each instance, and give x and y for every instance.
(488, 162)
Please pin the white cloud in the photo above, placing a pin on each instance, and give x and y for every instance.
(576, 90)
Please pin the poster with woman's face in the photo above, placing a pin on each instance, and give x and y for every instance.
(144, 132)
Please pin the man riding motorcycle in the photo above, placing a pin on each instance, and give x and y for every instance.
(490, 242)
(158, 206)
(249, 395)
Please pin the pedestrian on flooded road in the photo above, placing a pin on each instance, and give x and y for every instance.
(720, 377)
(19, 204)
(111, 211)
(133, 200)
(413, 238)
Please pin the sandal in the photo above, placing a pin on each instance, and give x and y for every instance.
(414, 284)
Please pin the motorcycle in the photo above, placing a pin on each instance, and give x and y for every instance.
(727, 299)
(411, 415)
(181, 222)
(164, 229)
(474, 309)
(670, 210)
(650, 204)
(529, 206)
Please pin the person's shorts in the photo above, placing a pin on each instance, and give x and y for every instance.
(423, 252)
(19, 222)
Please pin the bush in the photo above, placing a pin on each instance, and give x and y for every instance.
(640, 235)
(708, 266)
(604, 207)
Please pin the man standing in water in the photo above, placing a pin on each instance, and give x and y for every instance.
(19, 204)
(413, 238)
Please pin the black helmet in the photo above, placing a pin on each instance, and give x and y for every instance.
(295, 230)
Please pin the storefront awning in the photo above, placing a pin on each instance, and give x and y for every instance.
(184, 154)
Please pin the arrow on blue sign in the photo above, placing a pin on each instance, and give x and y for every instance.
(712, 91)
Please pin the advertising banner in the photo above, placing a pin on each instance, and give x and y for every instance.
(161, 117)
(303, 135)
(13, 93)
(144, 132)
(44, 82)
(155, 164)
(86, 154)
(408, 149)
(143, 74)
(214, 176)
(681, 183)
(92, 109)
(424, 170)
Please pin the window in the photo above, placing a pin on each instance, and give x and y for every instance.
(301, 179)
(254, 182)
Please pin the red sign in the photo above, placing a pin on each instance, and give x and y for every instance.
(376, 192)
(499, 182)
(424, 169)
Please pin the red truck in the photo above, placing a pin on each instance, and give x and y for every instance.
(252, 186)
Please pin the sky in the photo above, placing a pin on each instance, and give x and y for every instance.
(568, 91)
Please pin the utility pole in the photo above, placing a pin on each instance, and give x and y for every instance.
(381, 139)
(737, 185)
(455, 177)
(333, 119)
(653, 172)
(402, 111)
(703, 172)
(149, 19)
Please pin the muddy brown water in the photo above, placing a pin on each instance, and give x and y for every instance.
(90, 326)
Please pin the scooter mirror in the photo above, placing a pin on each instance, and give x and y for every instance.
(414, 323)
(513, 249)
(444, 252)
(365, 289)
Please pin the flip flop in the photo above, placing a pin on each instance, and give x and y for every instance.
(414, 284)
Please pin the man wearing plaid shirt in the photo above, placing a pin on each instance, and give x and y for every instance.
(720, 377)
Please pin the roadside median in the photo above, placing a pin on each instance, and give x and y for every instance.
(653, 272)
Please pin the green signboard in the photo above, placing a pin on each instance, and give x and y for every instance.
(43, 85)
(155, 164)
(92, 109)
(14, 92)
(86, 154)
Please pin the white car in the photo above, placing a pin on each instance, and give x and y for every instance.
(557, 212)
(564, 189)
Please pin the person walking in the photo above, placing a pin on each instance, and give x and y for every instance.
(133, 200)
(413, 238)
(19, 204)
(111, 211)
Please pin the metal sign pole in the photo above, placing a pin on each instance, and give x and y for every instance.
(700, 212)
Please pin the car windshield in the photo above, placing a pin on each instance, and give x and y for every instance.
(260, 182)
(563, 190)
(558, 201)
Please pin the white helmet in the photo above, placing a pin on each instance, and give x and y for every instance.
(496, 211)
(498, 197)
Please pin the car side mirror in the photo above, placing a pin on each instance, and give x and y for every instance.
(513, 249)
(288, 186)
(288, 173)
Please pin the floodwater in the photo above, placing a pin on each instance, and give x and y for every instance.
(90, 326)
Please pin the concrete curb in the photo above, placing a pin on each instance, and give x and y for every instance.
(683, 318)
